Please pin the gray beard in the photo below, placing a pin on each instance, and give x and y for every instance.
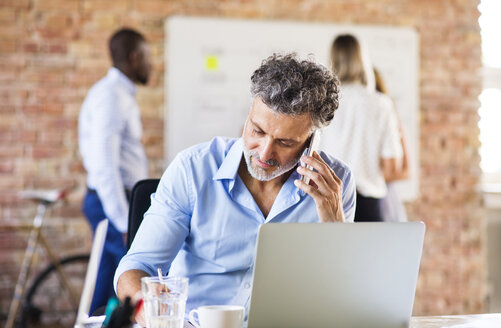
(260, 174)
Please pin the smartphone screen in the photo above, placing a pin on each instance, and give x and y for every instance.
(312, 145)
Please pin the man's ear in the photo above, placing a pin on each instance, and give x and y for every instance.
(133, 58)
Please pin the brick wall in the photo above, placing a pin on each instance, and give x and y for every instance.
(52, 51)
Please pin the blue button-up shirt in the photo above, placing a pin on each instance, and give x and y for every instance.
(203, 222)
(109, 137)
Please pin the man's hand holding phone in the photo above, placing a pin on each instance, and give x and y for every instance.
(324, 186)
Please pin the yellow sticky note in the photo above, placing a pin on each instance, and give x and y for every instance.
(211, 63)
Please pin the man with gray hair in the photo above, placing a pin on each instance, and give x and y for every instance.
(204, 218)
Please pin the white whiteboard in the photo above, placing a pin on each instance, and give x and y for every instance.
(209, 62)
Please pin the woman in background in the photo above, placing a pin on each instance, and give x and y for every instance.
(364, 133)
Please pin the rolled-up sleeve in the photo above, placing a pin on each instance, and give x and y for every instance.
(166, 224)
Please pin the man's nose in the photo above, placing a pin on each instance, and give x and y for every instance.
(266, 150)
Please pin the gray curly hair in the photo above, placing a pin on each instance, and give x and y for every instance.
(291, 86)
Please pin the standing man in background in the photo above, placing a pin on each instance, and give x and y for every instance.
(109, 135)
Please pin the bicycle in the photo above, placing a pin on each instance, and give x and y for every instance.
(52, 299)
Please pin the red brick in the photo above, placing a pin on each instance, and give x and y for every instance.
(12, 32)
(6, 167)
(82, 78)
(55, 48)
(51, 138)
(157, 7)
(92, 6)
(27, 136)
(54, 108)
(7, 15)
(12, 93)
(63, 123)
(107, 21)
(30, 47)
(56, 94)
(10, 182)
(22, 4)
(8, 47)
(8, 76)
(53, 182)
(51, 62)
(56, 34)
(57, 5)
(72, 110)
(10, 151)
(39, 152)
(58, 21)
(9, 61)
(30, 108)
(10, 241)
(7, 136)
(44, 77)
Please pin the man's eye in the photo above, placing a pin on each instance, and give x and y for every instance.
(259, 132)
(285, 144)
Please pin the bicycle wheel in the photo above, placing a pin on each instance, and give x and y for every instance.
(47, 302)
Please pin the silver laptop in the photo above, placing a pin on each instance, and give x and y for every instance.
(83, 319)
(355, 275)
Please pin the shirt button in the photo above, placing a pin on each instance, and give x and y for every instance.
(247, 285)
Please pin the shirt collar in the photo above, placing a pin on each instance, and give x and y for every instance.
(229, 167)
(115, 73)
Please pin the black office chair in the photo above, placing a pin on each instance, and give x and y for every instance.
(139, 203)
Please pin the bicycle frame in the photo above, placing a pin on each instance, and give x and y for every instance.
(34, 238)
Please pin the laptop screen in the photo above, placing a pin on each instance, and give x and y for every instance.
(335, 274)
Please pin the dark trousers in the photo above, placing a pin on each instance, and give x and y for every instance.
(113, 251)
(368, 209)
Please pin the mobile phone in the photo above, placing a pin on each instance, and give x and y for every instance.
(313, 143)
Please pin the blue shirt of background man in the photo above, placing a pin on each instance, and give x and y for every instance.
(203, 222)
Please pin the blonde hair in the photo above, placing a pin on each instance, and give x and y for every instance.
(380, 85)
(346, 59)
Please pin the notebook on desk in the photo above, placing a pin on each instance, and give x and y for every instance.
(335, 275)
(83, 319)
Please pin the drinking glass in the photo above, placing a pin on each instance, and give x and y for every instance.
(164, 301)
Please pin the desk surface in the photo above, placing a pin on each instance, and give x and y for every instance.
(458, 321)
(492, 320)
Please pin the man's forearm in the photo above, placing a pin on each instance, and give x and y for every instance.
(129, 283)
